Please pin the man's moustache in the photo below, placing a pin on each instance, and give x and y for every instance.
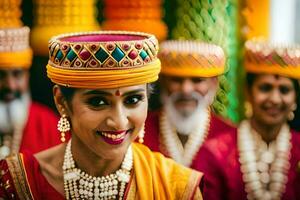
(5, 92)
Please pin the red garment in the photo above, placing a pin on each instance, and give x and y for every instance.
(151, 138)
(223, 177)
(40, 132)
(39, 186)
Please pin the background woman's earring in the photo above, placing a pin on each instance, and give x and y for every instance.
(141, 136)
(248, 109)
(63, 126)
(291, 115)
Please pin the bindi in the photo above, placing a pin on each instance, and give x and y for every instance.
(117, 93)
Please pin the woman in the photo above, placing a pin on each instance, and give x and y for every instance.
(259, 160)
(102, 96)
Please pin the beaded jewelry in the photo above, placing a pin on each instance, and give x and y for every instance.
(80, 185)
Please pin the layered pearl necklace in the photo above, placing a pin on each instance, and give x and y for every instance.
(80, 185)
(171, 143)
(264, 166)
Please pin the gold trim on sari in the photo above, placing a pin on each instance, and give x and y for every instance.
(18, 173)
(192, 191)
(131, 195)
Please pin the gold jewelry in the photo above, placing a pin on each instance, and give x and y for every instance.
(264, 166)
(248, 109)
(291, 115)
(141, 135)
(63, 126)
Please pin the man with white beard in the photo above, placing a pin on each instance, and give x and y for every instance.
(188, 82)
(24, 125)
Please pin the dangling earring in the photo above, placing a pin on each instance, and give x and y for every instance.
(291, 115)
(248, 109)
(141, 135)
(63, 126)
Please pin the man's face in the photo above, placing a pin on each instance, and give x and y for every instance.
(186, 90)
(13, 83)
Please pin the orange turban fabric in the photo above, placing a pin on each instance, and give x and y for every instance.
(103, 59)
(191, 59)
(264, 57)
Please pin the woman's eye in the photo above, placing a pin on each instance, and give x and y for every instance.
(132, 100)
(284, 89)
(265, 88)
(97, 101)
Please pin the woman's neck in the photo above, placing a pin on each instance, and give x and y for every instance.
(267, 132)
(92, 164)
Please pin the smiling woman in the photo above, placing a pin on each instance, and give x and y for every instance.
(102, 89)
(261, 155)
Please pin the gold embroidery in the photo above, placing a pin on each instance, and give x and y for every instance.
(17, 172)
(6, 184)
(192, 186)
(132, 189)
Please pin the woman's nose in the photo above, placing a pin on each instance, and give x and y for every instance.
(118, 120)
(276, 97)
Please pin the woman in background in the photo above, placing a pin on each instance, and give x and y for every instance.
(259, 159)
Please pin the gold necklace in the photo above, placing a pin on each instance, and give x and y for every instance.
(264, 167)
(171, 143)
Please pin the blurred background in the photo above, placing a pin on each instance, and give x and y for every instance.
(227, 23)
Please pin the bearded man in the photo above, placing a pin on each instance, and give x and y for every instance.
(24, 124)
(188, 82)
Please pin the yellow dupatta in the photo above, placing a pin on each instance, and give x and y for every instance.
(157, 177)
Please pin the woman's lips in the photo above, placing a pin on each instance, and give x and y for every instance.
(273, 111)
(113, 137)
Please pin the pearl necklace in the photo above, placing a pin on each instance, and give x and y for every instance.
(171, 143)
(80, 185)
(264, 167)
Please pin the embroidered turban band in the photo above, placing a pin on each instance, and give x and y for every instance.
(15, 51)
(103, 59)
(264, 57)
(191, 59)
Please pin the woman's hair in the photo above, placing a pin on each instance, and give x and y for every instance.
(295, 123)
(68, 93)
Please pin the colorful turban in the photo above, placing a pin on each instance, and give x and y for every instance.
(15, 51)
(264, 57)
(191, 59)
(103, 59)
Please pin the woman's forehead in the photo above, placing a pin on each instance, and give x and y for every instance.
(273, 78)
(112, 91)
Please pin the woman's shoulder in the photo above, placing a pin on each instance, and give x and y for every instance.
(50, 162)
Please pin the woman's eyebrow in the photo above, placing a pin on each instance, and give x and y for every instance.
(133, 92)
(97, 92)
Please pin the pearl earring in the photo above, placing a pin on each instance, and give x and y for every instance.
(141, 135)
(63, 126)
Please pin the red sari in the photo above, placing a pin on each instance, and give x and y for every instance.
(223, 177)
(152, 139)
(40, 131)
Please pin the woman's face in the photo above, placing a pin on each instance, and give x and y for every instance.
(273, 98)
(108, 120)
